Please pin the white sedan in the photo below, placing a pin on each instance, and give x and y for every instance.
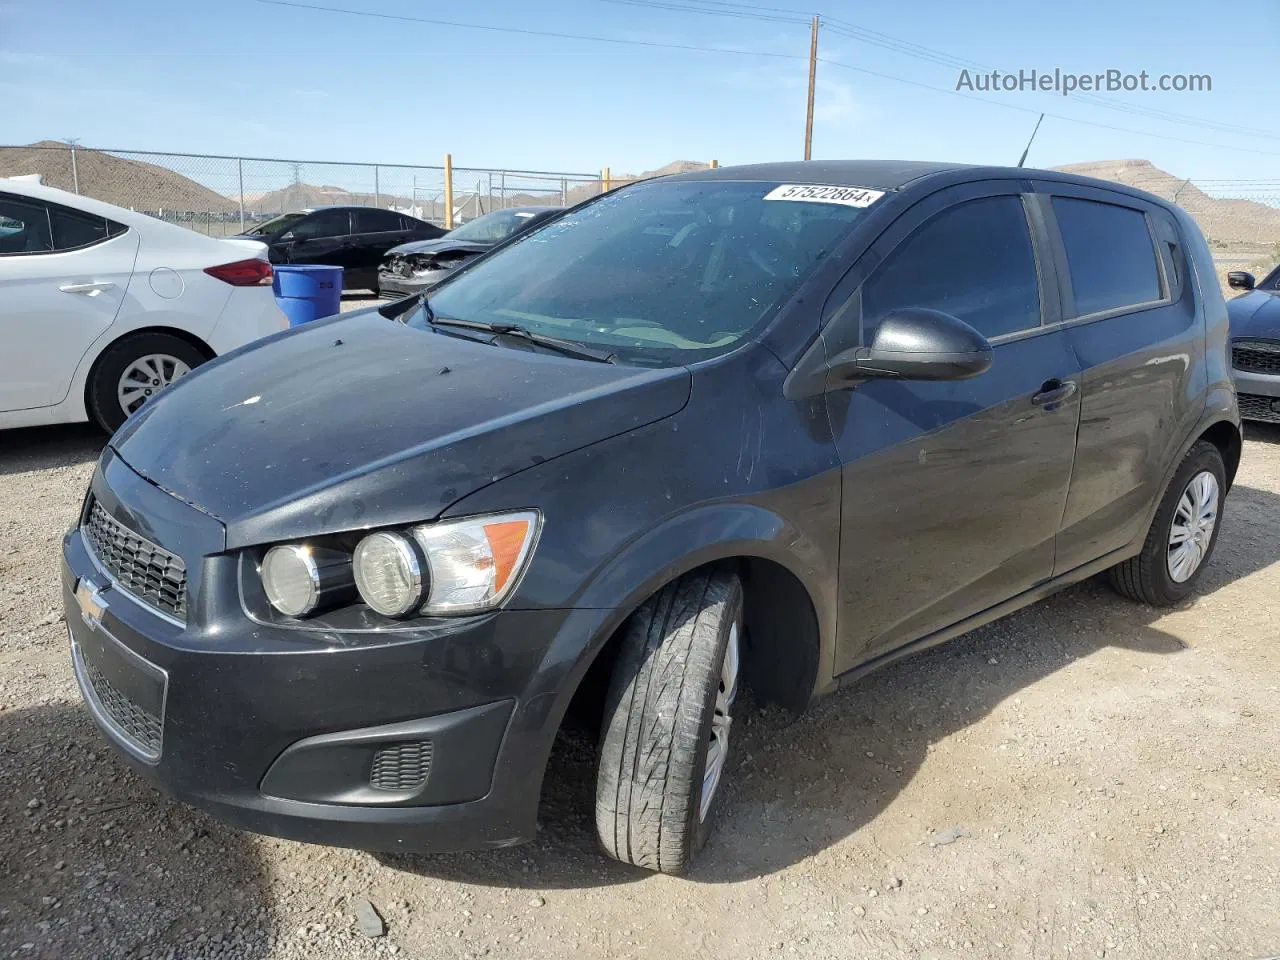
(101, 307)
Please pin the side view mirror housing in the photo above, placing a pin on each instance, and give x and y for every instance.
(286, 237)
(915, 343)
(1240, 280)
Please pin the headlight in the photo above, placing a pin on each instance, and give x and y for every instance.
(299, 579)
(456, 566)
(389, 573)
(475, 563)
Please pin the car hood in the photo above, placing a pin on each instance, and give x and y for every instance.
(361, 421)
(1256, 314)
(442, 245)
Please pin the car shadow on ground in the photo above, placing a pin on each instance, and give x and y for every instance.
(1262, 432)
(44, 448)
(799, 786)
(95, 863)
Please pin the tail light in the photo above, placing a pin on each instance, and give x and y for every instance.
(243, 273)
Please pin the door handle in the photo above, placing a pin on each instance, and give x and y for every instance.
(1052, 392)
(89, 289)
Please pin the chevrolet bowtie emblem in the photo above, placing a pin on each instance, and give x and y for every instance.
(92, 603)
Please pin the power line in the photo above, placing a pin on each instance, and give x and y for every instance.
(853, 31)
(432, 21)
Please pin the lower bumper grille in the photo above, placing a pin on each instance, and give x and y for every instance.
(1259, 408)
(401, 766)
(139, 725)
(148, 571)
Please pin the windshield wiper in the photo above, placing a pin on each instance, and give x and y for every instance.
(568, 348)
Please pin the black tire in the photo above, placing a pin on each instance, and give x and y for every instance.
(658, 721)
(104, 404)
(1146, 577)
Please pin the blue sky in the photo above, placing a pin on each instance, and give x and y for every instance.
(247, 77)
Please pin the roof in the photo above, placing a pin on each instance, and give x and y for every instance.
(896, 174)
(877, 174)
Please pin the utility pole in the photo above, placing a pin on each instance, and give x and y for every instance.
(75, 172)
(813, 79)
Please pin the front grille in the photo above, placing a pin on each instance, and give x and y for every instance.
(401, 766)
(149, 572)
(1259, 408)
(1256, 356)
(138, 724)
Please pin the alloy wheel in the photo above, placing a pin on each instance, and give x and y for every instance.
(721, 720)
(145, 377)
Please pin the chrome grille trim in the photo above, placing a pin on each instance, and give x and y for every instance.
(138, 567)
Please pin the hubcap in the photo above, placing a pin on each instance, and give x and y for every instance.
(718, 748)
(145, 377)
(1192, 529)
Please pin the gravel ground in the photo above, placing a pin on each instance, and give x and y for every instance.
(1087, 778)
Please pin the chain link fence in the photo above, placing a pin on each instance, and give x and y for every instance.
(224, 195)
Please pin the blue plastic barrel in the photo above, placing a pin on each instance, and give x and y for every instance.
(307, 292)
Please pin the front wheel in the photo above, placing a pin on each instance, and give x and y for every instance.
(1182, 535)
(664, 745)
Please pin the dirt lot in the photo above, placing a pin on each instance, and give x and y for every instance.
(1087, 778)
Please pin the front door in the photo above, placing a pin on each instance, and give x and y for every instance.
(63, 276)
(321, 238)
(953, 492)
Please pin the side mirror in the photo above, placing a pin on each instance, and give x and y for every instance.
(915, 343)
(286, 237)
(1240, 280)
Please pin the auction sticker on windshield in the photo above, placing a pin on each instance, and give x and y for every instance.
(809, 193)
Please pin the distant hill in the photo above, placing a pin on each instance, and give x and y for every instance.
(1228, 222)
(126, 183)
(300, 196)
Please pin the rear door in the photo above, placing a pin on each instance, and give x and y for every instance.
(1130, 315)
(952, 492)
(376, 232)
(63, 276)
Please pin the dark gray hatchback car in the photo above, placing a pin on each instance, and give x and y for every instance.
(776, 425)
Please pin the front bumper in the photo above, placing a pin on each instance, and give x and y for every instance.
(398, 285)
(431, 738)
(1258, 395)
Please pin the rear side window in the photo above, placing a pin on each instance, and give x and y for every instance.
(24, 226)
(73, 228)
(974, 261)
(1109, 253)
(373, 220)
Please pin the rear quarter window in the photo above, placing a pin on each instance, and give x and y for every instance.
(1110, 255)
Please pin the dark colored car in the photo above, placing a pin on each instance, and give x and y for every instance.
(1255, 344)
(354, 238)
(414, 267)
(776, 425)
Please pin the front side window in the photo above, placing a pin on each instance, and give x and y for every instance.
(660, 272)
(275, 225)
(325, 223)
(1109, 254)
(974, 261)
(24, 226)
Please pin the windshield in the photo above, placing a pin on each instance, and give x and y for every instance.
(664, 271)
(274, 225)
(492, 227)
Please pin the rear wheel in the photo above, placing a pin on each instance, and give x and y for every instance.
(665, 741)
(132, 371)
(1182, 535)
